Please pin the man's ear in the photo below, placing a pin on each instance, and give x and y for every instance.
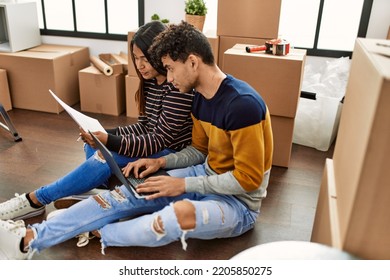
(194, 60)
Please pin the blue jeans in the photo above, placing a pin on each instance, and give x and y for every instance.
(124, 220)
(92, 173)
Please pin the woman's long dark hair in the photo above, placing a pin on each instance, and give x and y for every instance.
(143, 38)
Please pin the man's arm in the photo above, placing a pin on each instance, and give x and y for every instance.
(187, 157)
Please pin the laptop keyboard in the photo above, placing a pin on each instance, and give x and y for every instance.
(135, 181)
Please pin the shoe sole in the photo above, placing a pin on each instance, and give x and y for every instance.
(38, 212)
(65, 202)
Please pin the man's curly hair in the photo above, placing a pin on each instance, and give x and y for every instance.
(179, 41)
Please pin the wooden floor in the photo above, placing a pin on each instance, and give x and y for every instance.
(49, 150)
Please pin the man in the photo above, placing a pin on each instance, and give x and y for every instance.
(216, 184)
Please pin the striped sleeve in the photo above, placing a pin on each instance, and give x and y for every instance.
(167, 124)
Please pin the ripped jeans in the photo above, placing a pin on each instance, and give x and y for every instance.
(92, 173)
(123, 220)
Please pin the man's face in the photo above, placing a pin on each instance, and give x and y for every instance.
(181, 74)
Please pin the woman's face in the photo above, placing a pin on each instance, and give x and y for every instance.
(143, 65)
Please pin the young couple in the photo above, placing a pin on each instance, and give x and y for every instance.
(216, 183)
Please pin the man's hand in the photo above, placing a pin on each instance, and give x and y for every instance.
(143, 167)
(162, 186)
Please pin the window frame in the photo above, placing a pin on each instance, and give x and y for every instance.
(91, 35)
(362, 31)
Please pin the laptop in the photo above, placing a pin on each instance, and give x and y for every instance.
(131, 182)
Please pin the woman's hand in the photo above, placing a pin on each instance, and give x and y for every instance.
(87, 138)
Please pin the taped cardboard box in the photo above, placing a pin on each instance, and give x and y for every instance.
(278, 79)
(100, 93)
(33, 72)
(5, 97)
(228, 42)
(282, 129)
(248, 18)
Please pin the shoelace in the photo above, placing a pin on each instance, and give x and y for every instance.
(13, 225)
(13, 203)
(83, 239)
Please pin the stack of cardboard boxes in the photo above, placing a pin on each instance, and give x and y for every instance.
(246, 22)
(277, 78)
(354, 201)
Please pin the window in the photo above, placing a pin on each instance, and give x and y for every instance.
(324, 27)
(100, 19)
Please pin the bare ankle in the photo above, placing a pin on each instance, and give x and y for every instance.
(34, 199)
(28, 237)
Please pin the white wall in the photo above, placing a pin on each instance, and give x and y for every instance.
(380, 20)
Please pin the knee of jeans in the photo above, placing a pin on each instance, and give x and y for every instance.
(99, 157)
(185, 216)
(104, 202)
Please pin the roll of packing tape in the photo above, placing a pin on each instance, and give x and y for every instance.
(103, 67)
(277, 47)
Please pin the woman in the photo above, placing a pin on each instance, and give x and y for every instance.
(164, 126)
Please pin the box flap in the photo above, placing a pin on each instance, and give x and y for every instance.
(380, 52)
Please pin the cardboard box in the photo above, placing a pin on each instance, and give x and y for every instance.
(132, 85)
(282, 129)
(326, 229)
(5, 97)
(214, 42)
(131, 68)
(228, 42)
(100, 93)
(248, 18)
(388, 34)
(33, 72)
(278, 79)
(362, 153)
(116, 62)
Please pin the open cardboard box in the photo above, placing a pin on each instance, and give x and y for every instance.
(117, 62)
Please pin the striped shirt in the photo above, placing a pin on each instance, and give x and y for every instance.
(166, 124)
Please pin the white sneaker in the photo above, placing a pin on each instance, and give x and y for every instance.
(68, 201)
(11, 234)
(18, 208)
